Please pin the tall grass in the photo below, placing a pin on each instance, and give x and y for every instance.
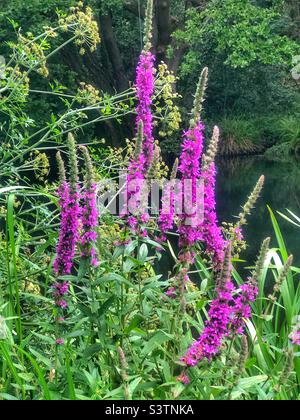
(278, 135)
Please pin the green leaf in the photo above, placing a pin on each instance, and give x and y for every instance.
(155, 342)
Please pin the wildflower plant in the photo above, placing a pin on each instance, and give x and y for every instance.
(82, 24)
(126, 326)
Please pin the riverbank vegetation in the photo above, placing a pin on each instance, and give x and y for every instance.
(87, 311)
(251, 48)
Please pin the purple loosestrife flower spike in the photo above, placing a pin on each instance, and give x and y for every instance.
(175, 169)
(248, 293)
(145, 90)
(243, 357)
(287, 369)
(70, 214)
(89, 217)
(189, 167)
(61, 168)
(135, 186)
(242, 306)
(212, 233)
(139, 141)
(155, 162)
(167, 213)
(216, 328)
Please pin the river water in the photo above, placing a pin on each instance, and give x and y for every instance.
(236, 179)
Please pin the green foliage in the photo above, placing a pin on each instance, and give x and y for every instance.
(120, 305)
(244, 33)
(251, 134)
(240, 135)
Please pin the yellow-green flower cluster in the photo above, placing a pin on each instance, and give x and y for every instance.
(88, 94)
(50, 32)
(31, 53)
(40, 164)
(17, 82)
(164, 102)
(81, 22)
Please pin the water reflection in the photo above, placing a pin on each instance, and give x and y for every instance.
(237, 177)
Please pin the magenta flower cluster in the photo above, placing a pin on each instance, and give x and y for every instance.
(145, 90)
(227, 317)
(78, 227)
(60, 291)
(68, 235)
(134, 194)
(167, 213)
(192, 148)
(242, 309)
(295, 337)
(216, 328)
(138, 167)
(89, 222)
(212, 233)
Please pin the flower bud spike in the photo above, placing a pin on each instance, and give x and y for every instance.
(199, 97)
(227, 266)
(287, 369)
(61, 168)
(155, 162)
(148, 26)
(250, 204)
(212, 150)
(73, 163)
(261, 260)
(90, 174)
(243, 355)
(283, 273)
(174, 170)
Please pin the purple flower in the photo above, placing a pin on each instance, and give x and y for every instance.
(60, 342)
(167, 214)
(171, 293)
(226, 318)
(212, 233)
(68, 235)
(145, 90)
(184, 379)
(89, 222)
(135, 208)
(62, 304)
(189, 168)
(242, 309)
(295, 337)
(61, 289)
(216, 328)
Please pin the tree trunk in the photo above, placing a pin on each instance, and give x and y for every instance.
(163, 28)
(113, 52)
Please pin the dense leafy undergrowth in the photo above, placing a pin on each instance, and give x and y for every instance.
(87, 309)
(123, 336)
